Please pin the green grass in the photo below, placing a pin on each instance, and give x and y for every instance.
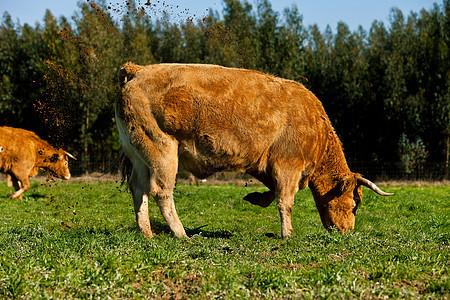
(78, 240)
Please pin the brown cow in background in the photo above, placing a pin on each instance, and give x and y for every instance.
(24, 153)
(206, 118)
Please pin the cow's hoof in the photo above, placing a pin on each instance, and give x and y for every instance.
(12, 196)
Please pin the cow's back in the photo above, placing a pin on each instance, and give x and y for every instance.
(226, 118)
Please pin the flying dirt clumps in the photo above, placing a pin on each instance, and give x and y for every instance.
(152, 9)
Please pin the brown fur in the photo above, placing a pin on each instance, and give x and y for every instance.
(128, 71)
(207, 118)
(24, 153)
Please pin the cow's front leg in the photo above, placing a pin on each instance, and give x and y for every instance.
(285, 204)
(287, 187)
(139, 184)
(20, 188)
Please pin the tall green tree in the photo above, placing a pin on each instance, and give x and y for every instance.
(267, 38)
(387, 91)
(240, 27)
(99, 44)
(432, 57)
(57, 89)
(9, 44)
(291, 45)
(193, 42)
(21, 50)
(138, 33)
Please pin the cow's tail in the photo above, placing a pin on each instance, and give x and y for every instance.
(128, 71)
(122, 165)
(125, 167)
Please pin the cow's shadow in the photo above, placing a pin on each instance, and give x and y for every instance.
(160, 227)
(26, 196)
(32, 193)
(35, 195)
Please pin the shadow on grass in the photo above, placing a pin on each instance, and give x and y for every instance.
(160, 227)
(25, 196)
(35, 195)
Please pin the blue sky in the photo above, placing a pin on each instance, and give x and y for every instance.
(320, 12)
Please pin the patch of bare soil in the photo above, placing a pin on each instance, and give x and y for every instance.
(443, 182)
(97, 177)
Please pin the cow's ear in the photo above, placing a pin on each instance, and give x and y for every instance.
(348, 183)
(357, 197)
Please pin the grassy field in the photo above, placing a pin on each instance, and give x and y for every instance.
(78, 240)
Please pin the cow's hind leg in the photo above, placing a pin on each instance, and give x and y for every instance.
(161, 157)
(162, 183)
(164, 198)
(139, 184)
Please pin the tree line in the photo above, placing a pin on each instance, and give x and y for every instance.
(386, 90)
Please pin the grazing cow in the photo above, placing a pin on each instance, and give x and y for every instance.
(24, 153)
(207, 118)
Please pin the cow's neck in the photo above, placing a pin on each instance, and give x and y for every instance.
(43, 161)
(331, 169)
(41, 164)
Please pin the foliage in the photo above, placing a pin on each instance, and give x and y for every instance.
(78, 240)
(412, 154)
(59, 78)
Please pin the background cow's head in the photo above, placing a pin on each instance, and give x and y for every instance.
(56, 162)
(338, 207)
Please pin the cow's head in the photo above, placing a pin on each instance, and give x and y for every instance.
(338, 206)
(56, 162)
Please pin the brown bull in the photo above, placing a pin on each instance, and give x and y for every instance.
(206, 118)
(24, 153)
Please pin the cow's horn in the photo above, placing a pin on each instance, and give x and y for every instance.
(372, 186)
(69, 155)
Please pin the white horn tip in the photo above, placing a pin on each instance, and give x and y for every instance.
(367, 183)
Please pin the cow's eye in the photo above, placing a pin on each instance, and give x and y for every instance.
(65, 163)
